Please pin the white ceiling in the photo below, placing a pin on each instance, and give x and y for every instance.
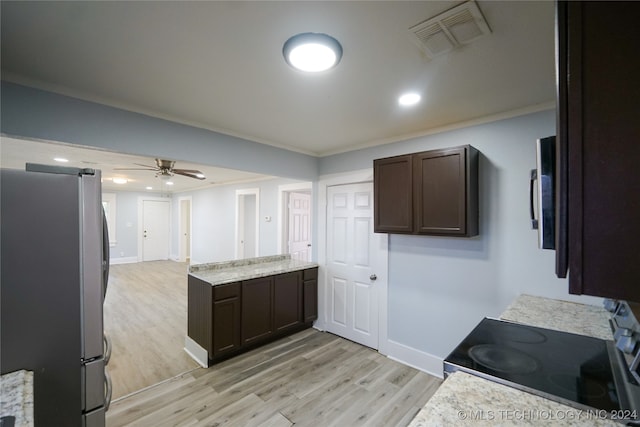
(15, 153)
(219, 65)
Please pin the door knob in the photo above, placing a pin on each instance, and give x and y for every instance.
(373, 277)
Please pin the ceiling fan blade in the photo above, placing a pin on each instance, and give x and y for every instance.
(146, 168)
(135, 169)
(191, 173)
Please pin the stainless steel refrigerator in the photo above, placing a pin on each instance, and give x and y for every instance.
(54, 272)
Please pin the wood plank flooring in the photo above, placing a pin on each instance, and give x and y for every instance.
(145, 317)
(311, 378)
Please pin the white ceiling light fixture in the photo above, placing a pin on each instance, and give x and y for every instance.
(312, 52)
(120, 180)
(409, 99)
(61, 159)
(169, 183)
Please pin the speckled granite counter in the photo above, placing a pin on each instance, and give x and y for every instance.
(218, 273)
(465, 399)
(559, 315)
(16, 397)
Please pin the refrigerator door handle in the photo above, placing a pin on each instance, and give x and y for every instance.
(107, 349)
(105, 255)
(108, 389)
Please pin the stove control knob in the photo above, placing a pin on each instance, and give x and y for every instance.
(610, 305)
(626, 341)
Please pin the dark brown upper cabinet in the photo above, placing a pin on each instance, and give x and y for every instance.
(598, 149)
(393, 194)
(431, 193)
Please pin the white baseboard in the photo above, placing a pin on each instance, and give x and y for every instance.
(425, 362)
(123, 260)
(196, 352)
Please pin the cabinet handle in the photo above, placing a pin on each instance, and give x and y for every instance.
(373, 277)
(532, 180)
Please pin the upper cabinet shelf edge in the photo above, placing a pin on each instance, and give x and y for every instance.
(428, 193)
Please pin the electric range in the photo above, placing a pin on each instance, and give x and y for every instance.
(579, 371)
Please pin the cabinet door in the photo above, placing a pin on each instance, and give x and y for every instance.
(199, 312)
(310, 294)
(445, 197)
(226, 325)
(287, 300)
(392, 186)
(257, 309)
(602, 101)
(310, 300)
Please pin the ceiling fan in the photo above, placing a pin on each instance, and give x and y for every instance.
(164, 169)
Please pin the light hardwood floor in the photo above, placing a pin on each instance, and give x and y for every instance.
(311, 378)
(145, 317)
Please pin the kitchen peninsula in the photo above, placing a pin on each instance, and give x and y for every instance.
(235, 306)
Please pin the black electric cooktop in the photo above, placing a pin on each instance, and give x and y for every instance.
(569, 368)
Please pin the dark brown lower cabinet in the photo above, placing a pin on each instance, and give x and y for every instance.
(232, 318)
(287, 301)
(257, 309)
(226, 318)
(310, 292)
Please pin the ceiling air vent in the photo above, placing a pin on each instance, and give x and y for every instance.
(453, 28)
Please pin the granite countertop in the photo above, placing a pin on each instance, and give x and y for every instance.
(559, 315)
(465, 399)
(16, 397)
(218, 273)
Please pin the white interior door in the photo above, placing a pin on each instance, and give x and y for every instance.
(247, 223)
(299, 230)
(155, 230)
(185, 229)
(352, 294)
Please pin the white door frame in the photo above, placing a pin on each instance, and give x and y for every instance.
(182, 257)
(141, 200)
(240, 220)
(382, 272)
(283, 220)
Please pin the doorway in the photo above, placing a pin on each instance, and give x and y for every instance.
(247, 223)
(295, 220)
(184, 232)
(153, 241)
(351, 264)
(352, 288)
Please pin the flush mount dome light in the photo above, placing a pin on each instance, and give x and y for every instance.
(312, 52)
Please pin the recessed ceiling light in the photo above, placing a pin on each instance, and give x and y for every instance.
(169, 183)
(149, 188)
(61, 159)
(312, 52)
(120, 180)
(409, 99)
